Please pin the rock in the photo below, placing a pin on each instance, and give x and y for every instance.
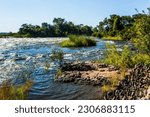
(86, 73)
(79, 66)
(19, 59)
(136, 85)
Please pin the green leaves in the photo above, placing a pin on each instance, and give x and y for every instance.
(116, 58)
(142, 30)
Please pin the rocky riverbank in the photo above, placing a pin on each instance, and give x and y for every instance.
(135, 85)
(88, 73)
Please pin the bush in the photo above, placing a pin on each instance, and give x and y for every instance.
(78, 41)
(141, 59)
(126, 58)
(112, 55)
(116, 58)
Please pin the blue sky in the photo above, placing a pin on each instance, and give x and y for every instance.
(13, 13)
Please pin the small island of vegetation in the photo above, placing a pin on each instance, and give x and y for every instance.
(78, 41)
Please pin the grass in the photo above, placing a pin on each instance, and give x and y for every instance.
(47, 66)
(114, 81)
(114, 38)
(11, 92)
(58, 73)
(78, 41)
(106, 88)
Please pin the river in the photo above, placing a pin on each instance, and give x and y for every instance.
(26, 58)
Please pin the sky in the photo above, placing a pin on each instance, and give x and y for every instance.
(14, 13)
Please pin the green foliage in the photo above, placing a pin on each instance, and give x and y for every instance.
(126, 58)
(60, 28)
(11, 92)
(57, 55)
(127, 33)
(134, 27)
(116, 58)
(106, 88)
(67, 43)
(5, 35)
(97, 34)
(78, 41)
(59, 73)
(141, 59)
(114, 38)
(113, 26)
(142, 30)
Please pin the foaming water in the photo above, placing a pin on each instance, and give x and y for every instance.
(22, 57)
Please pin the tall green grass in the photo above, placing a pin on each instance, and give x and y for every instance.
(11, 92)
(78, 41)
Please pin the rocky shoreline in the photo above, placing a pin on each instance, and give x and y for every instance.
(88, 73)
(135, 85)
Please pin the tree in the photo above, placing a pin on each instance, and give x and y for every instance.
(142, 29)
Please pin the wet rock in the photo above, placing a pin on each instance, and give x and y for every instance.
(19, 59)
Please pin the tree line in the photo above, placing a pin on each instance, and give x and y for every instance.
(60, 28)
(120, 26)
(124, 27)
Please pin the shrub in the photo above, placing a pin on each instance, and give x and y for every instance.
(112, 55)
(126, 58)
(142, 30)
(118, 59)
(78, 41)
(97, 34)
(141, 59)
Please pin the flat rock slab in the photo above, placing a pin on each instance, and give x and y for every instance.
(88, 73)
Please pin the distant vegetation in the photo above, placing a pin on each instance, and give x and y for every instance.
(114, 27)
(78, 41)
(60, 28)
